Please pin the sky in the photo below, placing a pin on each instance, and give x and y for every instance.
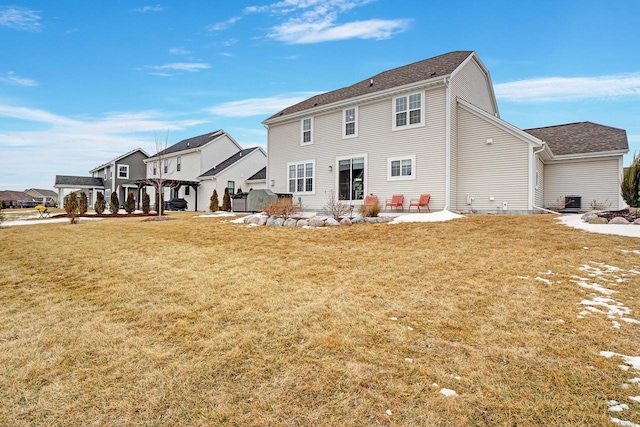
(82, 83)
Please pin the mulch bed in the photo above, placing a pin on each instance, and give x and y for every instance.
(135, 215)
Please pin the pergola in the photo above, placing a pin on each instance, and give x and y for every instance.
(164, 183)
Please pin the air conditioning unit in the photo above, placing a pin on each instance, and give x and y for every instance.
(572, 204)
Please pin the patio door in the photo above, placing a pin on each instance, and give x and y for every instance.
(351, 178)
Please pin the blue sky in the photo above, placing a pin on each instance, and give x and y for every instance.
(82, 82)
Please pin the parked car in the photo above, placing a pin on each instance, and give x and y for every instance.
(175, 205)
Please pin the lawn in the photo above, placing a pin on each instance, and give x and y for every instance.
(199, 321)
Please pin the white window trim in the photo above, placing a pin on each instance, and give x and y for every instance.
(314, 177)
(422, 115)
(366, 175)
(302, 131)
(344, 123)
(411, 157)
(127, 174)
(178, 163)
(154, 168)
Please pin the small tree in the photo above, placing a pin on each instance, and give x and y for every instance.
(226, 200)
(214, 205)
(146, 202)
(72, 207)
(83, 207)
(130, 204)
(336, 207)
(630, 186)
(159, 204)
(114, 203)
(100, 204)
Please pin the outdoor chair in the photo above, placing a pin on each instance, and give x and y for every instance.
(370, 200)
(396, 202)
(423, 201)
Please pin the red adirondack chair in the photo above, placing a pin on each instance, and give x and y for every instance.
(423, 201)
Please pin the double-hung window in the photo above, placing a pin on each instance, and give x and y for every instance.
(300, 176)
(178, 164)
(166, 165)
(408, 111)
(155, 168)
(231, 185)
(307, 131)
(123, 171)
(401, 168)
(350, 122)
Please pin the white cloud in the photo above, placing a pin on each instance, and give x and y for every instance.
(145, 9)
(20, 18)
(11, 78)
(558, 89)
(315, 21)
(178, 51)
(88, 141)
(322, 31)
(219, 26)
(258, 106)
(182, 66)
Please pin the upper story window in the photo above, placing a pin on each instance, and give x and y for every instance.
(350, 123)
(401, 168)
(178, 164)
(166, 166)
(307, 131)
(231, 185)
(155, 168)
(408, 111)
(300, 177)
(123, 171)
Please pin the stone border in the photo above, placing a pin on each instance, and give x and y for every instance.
(315, 221)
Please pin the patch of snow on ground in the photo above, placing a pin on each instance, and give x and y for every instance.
(582, 282)
(426, 217)
(547, 281)
(633, 361)
(42, 221)
(633, 251)
(448, 392)
(635, 398)
(575, 221)
(623, 423)
(215, 215)
(616, 406)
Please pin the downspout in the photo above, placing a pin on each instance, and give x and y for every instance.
(447, 142)
(535, 153)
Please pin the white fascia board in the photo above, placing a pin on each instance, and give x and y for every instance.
(118, 159)
(507, 127)
(359, 100)
(601, 155)
(474, 57)
(172, 155)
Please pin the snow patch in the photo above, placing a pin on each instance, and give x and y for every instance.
(426, 217)
(448, 392)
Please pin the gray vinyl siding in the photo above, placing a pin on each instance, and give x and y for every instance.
(592, 180)
(499, 170)
(471, 84)
(375, 140)
(539, 195)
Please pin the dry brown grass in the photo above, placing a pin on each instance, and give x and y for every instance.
(202, 322)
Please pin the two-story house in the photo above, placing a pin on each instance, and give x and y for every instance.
(118, 175)
(434, 127)
(194, 167)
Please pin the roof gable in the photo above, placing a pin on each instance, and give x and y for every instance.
(436, 67)
(191, 143)
(261, 175)
(228, 162)
(117, 159)
(581, 138)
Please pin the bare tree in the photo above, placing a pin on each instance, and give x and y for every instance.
(158, 179)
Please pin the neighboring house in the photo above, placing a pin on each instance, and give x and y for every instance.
(46, 197)
(18, 199)
(434, 127)
(120, 175)
(194, 167)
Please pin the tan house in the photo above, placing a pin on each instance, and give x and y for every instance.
(434, 127)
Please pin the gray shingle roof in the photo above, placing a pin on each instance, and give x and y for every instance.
(438, 66)
(261, 174)
(15, 196)
(78, 181)
(581, 138)
(190, 143)
(228, 162)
